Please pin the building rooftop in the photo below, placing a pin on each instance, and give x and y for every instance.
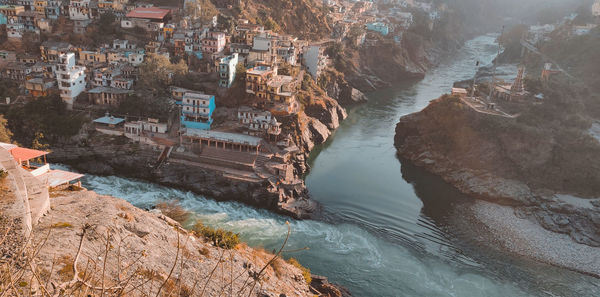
(223, 136)
(259, 70)
(197, 95)
(109, 120)
(110, 90)
(59, 177)
(154, 13)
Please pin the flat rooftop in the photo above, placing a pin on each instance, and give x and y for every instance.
(148, 13)
(109, 120)
(223, 136)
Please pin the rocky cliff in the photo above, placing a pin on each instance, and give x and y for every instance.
(100, 245)
(516, 162)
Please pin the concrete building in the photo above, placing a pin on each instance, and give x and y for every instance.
(108, 96)
(227, 68)
(259, 122)
(51, 50)
(213, 43)
(149, 18)
(7, 57)
(314, 60)
(39, 87)
(379, 27)
(79, 10)
(596, 8)
(196, 110)
(70, 78)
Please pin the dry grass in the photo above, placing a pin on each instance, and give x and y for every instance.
(173, 210)
(279, 267)
(305, 271)
(66, 271)
(61, 225)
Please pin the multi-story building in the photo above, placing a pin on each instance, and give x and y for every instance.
(259, 122)
(277, 91)
(7, 57)
(196, 110)
(227, 68)
(79, 10)
(596, 8)
(70, 78)
(29, 21)
(38, 87)
(51, 50)
(256, 80)
(16, 71)
(108, 96)
(244, 32)
(11, 12)
(314, 60)
(149, 18)
(213, 43)
(40, 7)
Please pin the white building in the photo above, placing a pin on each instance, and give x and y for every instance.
(262, 43)
(259, 121)
(227, 68)
(71, 78)
(596, 8)
(144, 131)
(314, 60)
(79, 9)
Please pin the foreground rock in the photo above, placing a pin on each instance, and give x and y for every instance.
(499, 160)
(92, 243)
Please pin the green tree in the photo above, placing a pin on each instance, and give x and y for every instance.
(157, 71)
(38, 142)
(5, 134)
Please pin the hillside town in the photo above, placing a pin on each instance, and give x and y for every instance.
(160, 51)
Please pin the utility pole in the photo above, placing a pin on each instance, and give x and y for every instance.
(489, 99)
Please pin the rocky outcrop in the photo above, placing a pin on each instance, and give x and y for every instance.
(491, 158)
(93, 243)
(103, 155)
(339, 89)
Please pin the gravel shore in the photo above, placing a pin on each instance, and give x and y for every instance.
(529, 239)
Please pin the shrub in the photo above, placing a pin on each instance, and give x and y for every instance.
(204, 252)
(220, 238)
(305, 271)
(174, 211)
(3, 174)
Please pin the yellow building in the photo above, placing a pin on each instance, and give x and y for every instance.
(40, 7)
(39, 87)
(89, 57)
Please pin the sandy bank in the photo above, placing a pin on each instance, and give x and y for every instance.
(529, 239)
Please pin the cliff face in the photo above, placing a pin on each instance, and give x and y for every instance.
(92, 243)
(305, 19)
(507, 161)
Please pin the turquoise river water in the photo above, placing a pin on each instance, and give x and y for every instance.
(384, 229)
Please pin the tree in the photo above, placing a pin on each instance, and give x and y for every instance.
(5, 134)
(240, 71)
(38, 142)
(157, 71)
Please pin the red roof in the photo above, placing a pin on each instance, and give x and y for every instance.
(23, 154)
(148, 13)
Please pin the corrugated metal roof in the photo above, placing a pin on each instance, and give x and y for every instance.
(148, 13)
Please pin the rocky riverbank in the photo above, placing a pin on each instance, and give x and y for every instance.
(92, 243)
(491, 158)
(95, 153)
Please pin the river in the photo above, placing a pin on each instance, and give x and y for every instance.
(385, 229)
